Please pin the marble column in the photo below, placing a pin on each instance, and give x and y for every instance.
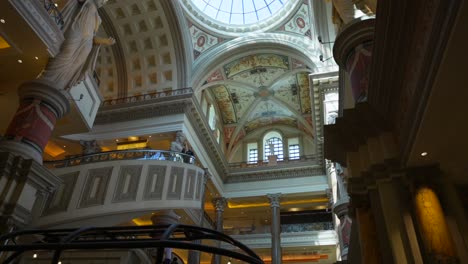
(165, 217)
(340, 208)
(41, 105)
(219, 204)
(194, 256)
(275, 228)
(353, 53)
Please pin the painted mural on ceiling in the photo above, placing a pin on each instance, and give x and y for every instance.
(300, 23)
(261, 90)
(201, 40)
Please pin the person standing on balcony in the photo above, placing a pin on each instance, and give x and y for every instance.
(79, 51)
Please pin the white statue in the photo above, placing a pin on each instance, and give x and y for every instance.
(79, 51)
(178, 144)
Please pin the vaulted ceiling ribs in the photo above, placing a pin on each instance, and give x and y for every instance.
(261, 90)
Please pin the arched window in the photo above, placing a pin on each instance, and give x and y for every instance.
(273, 145)
(212, 117)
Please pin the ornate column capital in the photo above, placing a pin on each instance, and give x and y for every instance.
(274, 199)
(219, 203)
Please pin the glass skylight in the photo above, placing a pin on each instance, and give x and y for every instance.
(239, 12)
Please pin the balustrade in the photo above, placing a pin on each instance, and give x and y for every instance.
(146, 154)
(145, 97)
(284, 161)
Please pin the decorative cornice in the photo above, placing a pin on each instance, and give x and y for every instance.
(202, 129)
(40, 22)
(268, 174)
(147, 107)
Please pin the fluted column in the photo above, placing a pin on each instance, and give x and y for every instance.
(41, 105)
(219, 204)
(275, 228)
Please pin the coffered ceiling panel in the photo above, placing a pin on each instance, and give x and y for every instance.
(145, 47)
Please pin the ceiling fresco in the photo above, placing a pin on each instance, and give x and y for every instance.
(300, 23)
(261, 90)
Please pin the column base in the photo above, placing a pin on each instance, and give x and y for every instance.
(21, 149)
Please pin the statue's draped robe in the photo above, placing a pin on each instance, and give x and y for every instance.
(78, 53)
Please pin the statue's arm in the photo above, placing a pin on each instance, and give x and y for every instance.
(104, 41)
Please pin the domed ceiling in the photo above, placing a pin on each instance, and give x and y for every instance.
(260, 90)
(238, 12)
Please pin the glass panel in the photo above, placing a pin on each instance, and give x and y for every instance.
(240, 11)
(294, 152)
(253, 155)
(277, 146)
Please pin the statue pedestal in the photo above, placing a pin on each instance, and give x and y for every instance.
(86, 99)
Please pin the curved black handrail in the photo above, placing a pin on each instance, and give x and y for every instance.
(155, 236)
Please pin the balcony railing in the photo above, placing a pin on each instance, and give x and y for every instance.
(53, 11)
(145, 97)
(292, 228)
(288, 228)
(145, 154)
(284, 161)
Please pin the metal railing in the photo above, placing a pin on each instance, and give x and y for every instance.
(53, 11)
(137, 154)
(284, 161)
(149, 96)
(122, 237)
(318, 226)
(287, 228)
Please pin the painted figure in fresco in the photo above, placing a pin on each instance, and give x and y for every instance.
(79, 51)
